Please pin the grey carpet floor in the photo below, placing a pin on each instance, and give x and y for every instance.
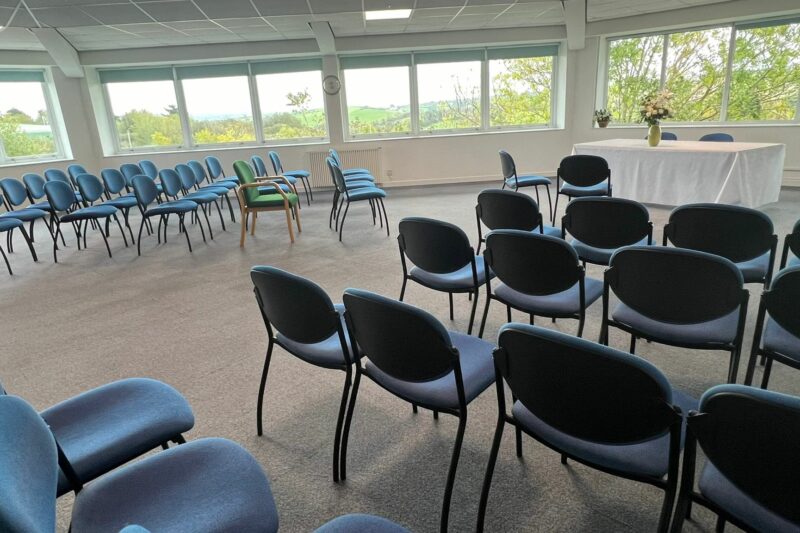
(191, 320)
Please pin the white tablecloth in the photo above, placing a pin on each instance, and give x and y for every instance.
(682, 172)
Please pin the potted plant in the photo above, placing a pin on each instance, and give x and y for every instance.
(602, 117)
(654, 108)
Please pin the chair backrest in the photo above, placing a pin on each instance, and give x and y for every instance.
(56, 174)
(731, 231)
(666, 136)
(751, 436)
(717, 137)
(782, 297)
(170, 181)
(129, 170)
(506, 209)
(583, 170)
(60, 195)
(145, 190)
(605, 222)
(793, 239)
(276, 162)
(403, 341)
(259, 166)
(90, 186)
(35, 185)
(246, 175)
(214, 167)
(28, 469)
(336, 175)
(74, 171)
(298, 308)
(200, 175)
(113, 179)
(675, 285)
(186, 175)
(507, 165)
(334, 154)
(149, 168)
(14, 191)
(433, 245)
(587, 390)
(532, 263)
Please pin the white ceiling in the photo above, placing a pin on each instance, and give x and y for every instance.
(118, 24)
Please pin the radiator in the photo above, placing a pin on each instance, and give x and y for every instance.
(369, 158)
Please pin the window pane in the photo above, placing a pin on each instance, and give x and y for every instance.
(25, 123)
(634, 70)
(520, 91)
(145, 114)
(449, 95)
(378, 100)
(292, 105)
(766, 74)
(219, 110)
(696, 73)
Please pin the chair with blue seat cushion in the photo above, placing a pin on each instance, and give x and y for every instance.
(749, 437)
(442, 259)
(254, 198)
(74, 171)
(502, 209)
(259, 168)
(15, 195)
(129, 171)
(741, 234)
(220, 187)
(148, 168)
(34, 185)
(777, 336)
(717, 137)
(600, 226)
(8, 225)
(677, 297)
(360, 523)
(301, 175)
(301, 319)
(791, 244)
(116, 195)
(92, 190)
(516, 181)
(411, 355)
(205, 197)
(538, 275)
(55, 174)
(146, 193)
(582, 175)
(345, 195)
(351, 183)
(215, 171)
(361, 173)
(601, 407)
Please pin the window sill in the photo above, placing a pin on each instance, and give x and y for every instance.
(694, 125)
(31, 162)
(373, 138)
(214, 147)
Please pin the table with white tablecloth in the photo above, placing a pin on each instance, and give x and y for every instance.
(683, 172)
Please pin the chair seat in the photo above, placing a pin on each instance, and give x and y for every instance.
(355, 170)
(718, 331)
(214, 189)
(528, 181)
(600, 256)
(777, 339)
(366, 193)
(365, 523)
(106, 427)
(167, 208)
(718, 489)
(271, 200)
(600, 189)
(477, 370)
(8, 223)
(327, 353)
(460, 279)
(358, 184)
(549, 230)
(208, 485)
(562, 303)
(25, 215)
(793, 262)
(95, 211)
(201, 197)
(649, 458)
(755, 270)
(44, 206)
(297, 173)
(233, 179)
(123, 202)
(271, 190)
(226, 183)
(359, 177)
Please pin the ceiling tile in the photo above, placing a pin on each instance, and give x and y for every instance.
(175, 10)
(59, 17)
(340, 6)
(192, 25)
(234, 23)
(18, 39)
(270, 8)
(227, 8)
(116, 13)
(374, 5)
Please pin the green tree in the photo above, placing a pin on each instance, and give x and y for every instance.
(17, 143)
(634, 70)
(521, 93)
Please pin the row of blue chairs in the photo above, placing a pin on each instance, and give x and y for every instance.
(604, 408)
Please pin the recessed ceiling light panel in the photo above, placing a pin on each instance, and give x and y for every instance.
(387, 14)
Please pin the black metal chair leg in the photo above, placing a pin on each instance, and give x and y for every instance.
(341, 222)
(451, 474)
(29, 241)
(487, 478)
(346, 431)
(186, 233)
(262, 386)
(485, 314)
(221, 218)
(122, 231)
(403, 288)
(450, 298)
(339, 421)
(139, 239)
(385, 216)
(105, 239)
(5, 258)
(472, 312)
(208, 223)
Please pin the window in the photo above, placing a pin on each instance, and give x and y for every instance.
(378, 94)
(291, 99)
(634, 70)
(449, 89)
(520, 83)
(28, 128)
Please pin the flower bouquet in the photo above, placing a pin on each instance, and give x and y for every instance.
(654, 108)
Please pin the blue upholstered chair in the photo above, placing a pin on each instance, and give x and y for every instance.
(74, 171)
(666, 136)
(717, 137)
(148, 168)
(201, 182)
(15, 195)
(55, 174)
(442, 259)
(215, 172)
(791, 243)
(539, 275)
(7, 226)
(360, 173)
(34, 184)
(302, 319)
(502, 209)
(516, 182)
(411, 355)
(146, 193)
(777, 336)
(92, 190)
(346, 194)
(743, 235)
(205, 197)
(677, 297)
(351, 182)
(601, 407)
(600, 226)
(129, 171)
(360, 523)
(116, 195)
(749, 438)
(259, 166)
(301, 175)
(582, 175)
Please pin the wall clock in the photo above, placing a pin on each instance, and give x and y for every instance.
(331, 85)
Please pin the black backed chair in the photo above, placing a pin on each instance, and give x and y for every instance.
(677, 297)
(501, 209)
(743, 235)
(411, 355)
(582, 175)
(777, 337)
(600, 226)
(301, 319)
(515, 181)
(667, 136)
(347, 194)
(538, 275)
(442, 259)
(749, 437)
(604, 408)
(791, 243)
(717, 137)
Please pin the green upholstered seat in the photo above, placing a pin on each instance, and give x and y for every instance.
(269, 200)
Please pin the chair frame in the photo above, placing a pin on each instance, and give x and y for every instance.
(10, 246)
(539, 223)
(290, 210)
(342, 195)
(560, 178)
(791, 242)
(162, 220)
(513, 174)
(10, 205)
(277, 166)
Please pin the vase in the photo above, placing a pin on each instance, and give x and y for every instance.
(654, 135)
(603, 123)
